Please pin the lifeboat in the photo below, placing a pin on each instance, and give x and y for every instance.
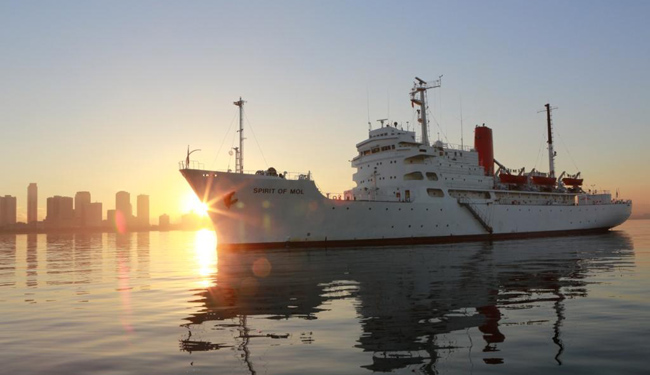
(512, 179)
(543, 180)
(572, 181)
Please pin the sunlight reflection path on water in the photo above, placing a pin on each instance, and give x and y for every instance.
(205, 245)
(571, 304)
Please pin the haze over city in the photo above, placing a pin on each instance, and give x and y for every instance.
(103, 97)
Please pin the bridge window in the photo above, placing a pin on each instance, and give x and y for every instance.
(413, 176)
(431, 176)
(436, 193)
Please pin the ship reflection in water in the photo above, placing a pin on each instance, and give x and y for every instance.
(421, 308)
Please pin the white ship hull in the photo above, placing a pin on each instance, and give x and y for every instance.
(405, 191)
(267, 211)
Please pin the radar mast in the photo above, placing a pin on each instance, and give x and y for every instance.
(239, 164)
(419, 89)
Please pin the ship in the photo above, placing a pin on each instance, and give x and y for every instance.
(407, 191)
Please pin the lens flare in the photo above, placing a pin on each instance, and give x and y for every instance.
(120, 222)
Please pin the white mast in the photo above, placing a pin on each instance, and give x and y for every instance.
(551, 153)
(239, 168)
(422, 102)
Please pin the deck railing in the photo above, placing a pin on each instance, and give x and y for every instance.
(452, 146)
(193, 164)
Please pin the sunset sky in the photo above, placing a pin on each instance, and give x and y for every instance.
(106, 96)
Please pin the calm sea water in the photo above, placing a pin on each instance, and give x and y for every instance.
(170, 303)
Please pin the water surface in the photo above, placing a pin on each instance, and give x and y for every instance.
(169, 302)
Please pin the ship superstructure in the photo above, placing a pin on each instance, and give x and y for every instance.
(406, 191)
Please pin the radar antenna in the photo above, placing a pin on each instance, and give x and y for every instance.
(418, 97)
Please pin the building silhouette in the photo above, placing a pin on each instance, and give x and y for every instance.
(7, 210)
(32, 203)
(81, 199)
(163, 221)
(123, 208)
(143, 210)
(60, 212)
(110, 218)
(92, 217)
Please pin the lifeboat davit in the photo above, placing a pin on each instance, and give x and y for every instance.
(512, 179)
(543, 180)
(572, 181)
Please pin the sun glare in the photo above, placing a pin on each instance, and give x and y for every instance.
(202, 209)
(191, 203)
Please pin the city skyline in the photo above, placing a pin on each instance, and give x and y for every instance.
(81, 213)
(77, 209)
(107, 97)
(142, 215)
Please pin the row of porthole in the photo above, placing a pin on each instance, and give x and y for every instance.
(380, 163)
(380, 178)
(370, 209)
(507, 209)
(421, 226)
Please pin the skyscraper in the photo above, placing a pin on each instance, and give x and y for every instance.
(7, 210)
(143, 210)
(81, 199)
(32, 203)
(123, 208)
(92, 215)
(2, 212)
(59, 211)
(163, 221)
(110, 218)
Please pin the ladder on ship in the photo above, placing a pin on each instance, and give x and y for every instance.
(466, 203)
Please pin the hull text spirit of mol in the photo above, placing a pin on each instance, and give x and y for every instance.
(406, 192)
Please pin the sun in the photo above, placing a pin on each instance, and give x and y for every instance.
(191, 203)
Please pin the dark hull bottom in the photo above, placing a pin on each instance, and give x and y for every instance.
(409, 240)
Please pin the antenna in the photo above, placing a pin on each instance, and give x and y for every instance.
(382, 121)
(368, 108)
(461, 122)
(387, 103)
(551, 153)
